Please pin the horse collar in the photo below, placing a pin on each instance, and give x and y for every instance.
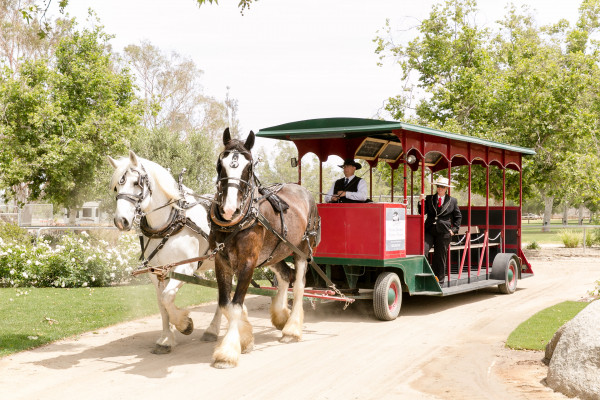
(246, 218)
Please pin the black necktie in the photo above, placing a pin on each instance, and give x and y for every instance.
(345, 181)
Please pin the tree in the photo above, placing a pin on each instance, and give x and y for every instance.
(194, 152)
(524, 85)
(243, 4)
(173, 95)
(275, 167)
(182, 126)
(61, 116)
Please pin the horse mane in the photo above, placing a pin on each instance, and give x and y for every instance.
(160, 176)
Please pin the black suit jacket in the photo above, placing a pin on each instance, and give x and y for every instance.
(448, 216)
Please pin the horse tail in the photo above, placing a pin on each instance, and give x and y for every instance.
(284, 270)
(313, 226)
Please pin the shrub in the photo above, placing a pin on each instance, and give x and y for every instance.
(533, 246)
(595, 234)
(14, 233)
(596, 292)
(570, 238)
(74, 261)
(590, 238)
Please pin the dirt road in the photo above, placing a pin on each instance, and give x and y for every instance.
(439, 348)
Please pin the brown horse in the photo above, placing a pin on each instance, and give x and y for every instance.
(248, 231)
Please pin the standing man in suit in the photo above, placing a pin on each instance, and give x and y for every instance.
(442, 222)
(349, 189)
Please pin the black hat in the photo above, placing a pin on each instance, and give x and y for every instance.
(350, 161)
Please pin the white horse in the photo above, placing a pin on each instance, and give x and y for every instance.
(145, 188)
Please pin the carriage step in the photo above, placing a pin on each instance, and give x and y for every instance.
(424, 274)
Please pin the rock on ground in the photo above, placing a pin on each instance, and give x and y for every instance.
(574, 369)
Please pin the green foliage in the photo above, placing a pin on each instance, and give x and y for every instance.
(14, 233)
(275, 167)
(32, 317)
(570, 238)
(595, 234)
(537, 331)
(243, 4)
(533, 246)
(75, 261)
(590, 238)
(596, 292)
(195, 152)
(61, 116)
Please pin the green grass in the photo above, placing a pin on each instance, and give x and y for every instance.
(537, 331)
(32, 317)
(530, 234)
(534, 233)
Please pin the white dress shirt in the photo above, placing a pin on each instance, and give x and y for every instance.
(360, 195)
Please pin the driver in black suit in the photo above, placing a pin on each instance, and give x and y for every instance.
(349, 189)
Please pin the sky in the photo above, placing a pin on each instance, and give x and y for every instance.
(286, 60)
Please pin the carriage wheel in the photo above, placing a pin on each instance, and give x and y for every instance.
(506, 268)
(387, 296)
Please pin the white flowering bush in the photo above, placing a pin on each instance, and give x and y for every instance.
(74, 261)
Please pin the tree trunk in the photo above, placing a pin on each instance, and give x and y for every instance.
(72, 216)
(548, 200)
(565, 218)
(581, 214)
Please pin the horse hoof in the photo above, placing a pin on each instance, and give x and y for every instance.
(161, 349)
(248, 348)
(279, 325)
(223, 365)
(289, 339)
(189, 329)
(208, 337)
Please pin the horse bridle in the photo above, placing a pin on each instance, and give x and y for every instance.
(234, 182)
(143, 182)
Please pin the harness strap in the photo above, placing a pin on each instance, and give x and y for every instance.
(163, 271)
(143, 247)
(263, 221)
(167, 229)
(160, 245)
(193, 226)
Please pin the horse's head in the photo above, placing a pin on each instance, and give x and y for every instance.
(131, 183)
(234, 174)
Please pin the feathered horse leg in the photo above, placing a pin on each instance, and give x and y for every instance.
(292, 331)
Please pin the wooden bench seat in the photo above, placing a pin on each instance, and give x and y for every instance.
(463, 231)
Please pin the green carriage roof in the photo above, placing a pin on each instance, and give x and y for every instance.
(327, 128)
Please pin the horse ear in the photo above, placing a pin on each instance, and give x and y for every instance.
(112, 162)
(133, 158)
(226, 136)
(249, 141)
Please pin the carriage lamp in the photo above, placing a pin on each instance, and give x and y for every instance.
(411, 159)
(293, 162)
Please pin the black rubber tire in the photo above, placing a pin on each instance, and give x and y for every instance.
(506, 267)
(386, 285)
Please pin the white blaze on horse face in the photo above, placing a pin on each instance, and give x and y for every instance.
(233, 166)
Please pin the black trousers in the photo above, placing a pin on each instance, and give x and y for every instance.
(440, 243)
